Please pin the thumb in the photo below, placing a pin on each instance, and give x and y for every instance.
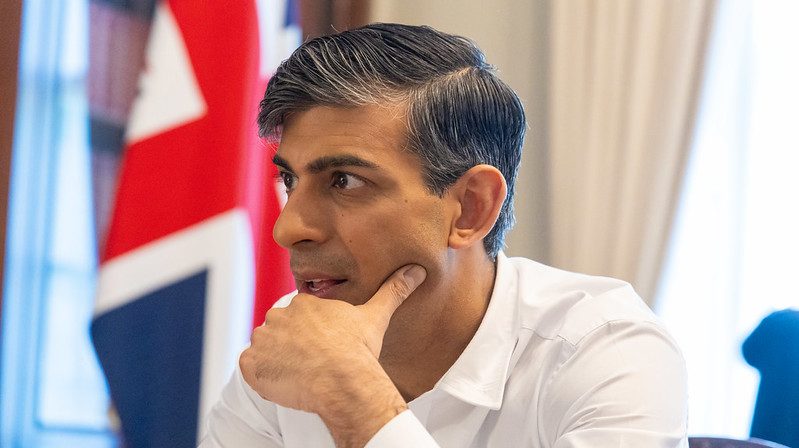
(394, 291)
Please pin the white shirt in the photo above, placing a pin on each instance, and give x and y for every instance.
(560, 360)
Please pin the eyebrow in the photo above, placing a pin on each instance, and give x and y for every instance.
(327, 162)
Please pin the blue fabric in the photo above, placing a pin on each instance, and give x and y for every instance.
(161, 395)
(292, 14)
(773, 349)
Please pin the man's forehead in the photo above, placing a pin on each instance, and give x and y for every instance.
(362, 136)
(383, 123)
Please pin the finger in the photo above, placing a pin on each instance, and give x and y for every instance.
(395, 290)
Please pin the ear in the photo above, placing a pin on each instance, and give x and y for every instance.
(480, 193)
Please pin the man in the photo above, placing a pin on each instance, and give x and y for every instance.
(399, 148)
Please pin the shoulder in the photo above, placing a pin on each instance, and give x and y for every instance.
(558, 304)
(599, 358)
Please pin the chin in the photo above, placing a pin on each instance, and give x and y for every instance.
(359, 296)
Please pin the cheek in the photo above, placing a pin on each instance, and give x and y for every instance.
(382, 244)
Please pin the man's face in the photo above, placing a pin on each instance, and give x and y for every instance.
(357, 206)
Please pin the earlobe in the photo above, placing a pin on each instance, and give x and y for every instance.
(480, 192)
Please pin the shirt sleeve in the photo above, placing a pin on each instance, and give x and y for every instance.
(621, 385)
(402, 431)
(241, 418)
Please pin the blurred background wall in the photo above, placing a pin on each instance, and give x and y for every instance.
(514, 34)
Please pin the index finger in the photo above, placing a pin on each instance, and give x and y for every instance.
(395, 290)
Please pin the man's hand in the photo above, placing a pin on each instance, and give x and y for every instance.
(321, 356)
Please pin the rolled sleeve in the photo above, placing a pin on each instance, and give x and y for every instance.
(402, 431)
(241, 418)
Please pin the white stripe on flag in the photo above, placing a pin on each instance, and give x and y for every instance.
(223, 246)
(170, 95)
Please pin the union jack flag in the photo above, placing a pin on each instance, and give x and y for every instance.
(189, 265)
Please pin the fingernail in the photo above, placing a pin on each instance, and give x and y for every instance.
(414, 275)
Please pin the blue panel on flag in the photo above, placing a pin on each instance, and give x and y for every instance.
(292, 14)
(151, 350)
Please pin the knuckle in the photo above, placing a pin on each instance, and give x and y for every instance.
(257, 335)
(272, 315)
(300, 300)
(245, 362)
(399, 288)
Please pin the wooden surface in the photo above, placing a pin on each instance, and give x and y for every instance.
(322, 17)
(10, 14)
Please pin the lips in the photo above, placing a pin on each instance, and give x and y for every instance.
(324, 275)
(318, 285)
(324, 287)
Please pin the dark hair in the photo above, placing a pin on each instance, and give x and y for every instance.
(460, 114)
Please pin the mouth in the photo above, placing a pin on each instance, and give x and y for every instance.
(320, 287)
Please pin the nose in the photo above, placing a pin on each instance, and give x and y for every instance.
(300, 221)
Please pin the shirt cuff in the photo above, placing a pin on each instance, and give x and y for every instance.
(402, 431)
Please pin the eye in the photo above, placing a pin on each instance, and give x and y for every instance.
(289, 180)
(346, 181)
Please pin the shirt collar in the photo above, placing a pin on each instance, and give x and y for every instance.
(478, 376)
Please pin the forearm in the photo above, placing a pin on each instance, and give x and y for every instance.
(355, 408)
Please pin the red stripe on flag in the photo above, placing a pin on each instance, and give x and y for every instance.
(185, 175)
(199, 169)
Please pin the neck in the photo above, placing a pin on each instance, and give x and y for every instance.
(427, 335)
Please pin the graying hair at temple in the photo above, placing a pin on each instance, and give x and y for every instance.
(459, 113)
